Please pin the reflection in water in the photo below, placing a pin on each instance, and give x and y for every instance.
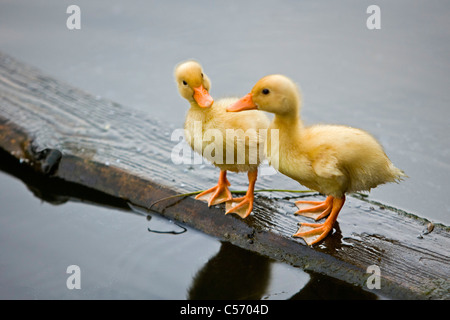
(180, 230)
(54, 190)
(233, 273)
(237, 274)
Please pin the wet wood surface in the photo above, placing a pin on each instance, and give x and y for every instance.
(68, 134)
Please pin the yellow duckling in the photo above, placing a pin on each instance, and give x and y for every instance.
(227, 140)
(331, 159)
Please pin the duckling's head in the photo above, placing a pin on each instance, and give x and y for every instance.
(274, 93)
(193, 84)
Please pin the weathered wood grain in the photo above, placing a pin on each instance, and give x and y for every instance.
(66, 133)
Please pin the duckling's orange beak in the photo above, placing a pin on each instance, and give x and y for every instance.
(202, 97)
(245, 103)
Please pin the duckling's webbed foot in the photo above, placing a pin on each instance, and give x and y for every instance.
(218, 193)
(315, 209)
(243, 206)
(313, 233)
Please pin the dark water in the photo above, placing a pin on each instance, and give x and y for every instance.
(47, 225)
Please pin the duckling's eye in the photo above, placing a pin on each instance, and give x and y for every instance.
(202, 75)
(185, 83)
(265, 91)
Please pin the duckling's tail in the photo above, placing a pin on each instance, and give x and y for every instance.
(398, 174)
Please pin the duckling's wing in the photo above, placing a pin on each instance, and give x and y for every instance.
(325, 165)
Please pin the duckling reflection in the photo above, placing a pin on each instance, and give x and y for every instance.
(233, 273)
(239, 274)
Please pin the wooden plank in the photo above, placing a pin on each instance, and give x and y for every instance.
(69, 134)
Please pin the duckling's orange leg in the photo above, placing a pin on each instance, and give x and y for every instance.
(312, 208)
(312, 233)
(218, 193)
(245, 205)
